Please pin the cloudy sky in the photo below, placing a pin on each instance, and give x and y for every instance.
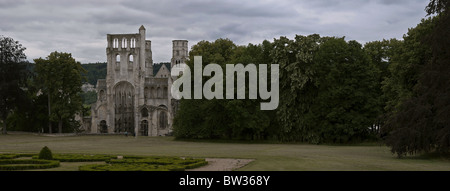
(80, 26)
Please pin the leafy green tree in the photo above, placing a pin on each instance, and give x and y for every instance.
(406, 65)
(60, 77)
(94, 72)
(297, 87)
(231, 119)
(13, 75)
(89, 97)
(381, 54)
(421, 122)
(327, 89)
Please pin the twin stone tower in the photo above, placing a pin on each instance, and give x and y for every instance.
(135, 97)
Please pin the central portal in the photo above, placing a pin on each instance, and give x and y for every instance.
(124, 107)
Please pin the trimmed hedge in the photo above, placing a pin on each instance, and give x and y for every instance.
(147, 164)
(46, 154)
(80, 157)
(11, 164)
(13, 156)
(130, 167)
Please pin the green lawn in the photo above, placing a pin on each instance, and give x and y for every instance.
(269, 157)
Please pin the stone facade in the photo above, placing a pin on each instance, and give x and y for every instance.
(135, 97)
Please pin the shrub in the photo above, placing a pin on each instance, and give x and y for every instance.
(26, 164)
(46, 154)
(146, 164)
(13, 156)
(80, 157)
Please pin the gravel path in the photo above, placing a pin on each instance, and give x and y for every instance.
(223, 164)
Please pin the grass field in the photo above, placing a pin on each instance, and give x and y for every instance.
(268, 157)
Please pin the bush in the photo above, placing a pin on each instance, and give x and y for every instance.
(13, 156)
(80, 157)
(146, 164)
(46, 154)
(26, 164)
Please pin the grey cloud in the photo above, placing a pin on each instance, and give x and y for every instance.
(80, 27)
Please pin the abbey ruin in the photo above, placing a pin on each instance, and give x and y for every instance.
(135, 97)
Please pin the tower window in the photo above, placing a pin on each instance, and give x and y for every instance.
(117, 61)
(115, 43)
(124, 43)
(133, 43)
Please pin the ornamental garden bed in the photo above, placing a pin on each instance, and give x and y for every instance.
(12, 161)
(27, 164)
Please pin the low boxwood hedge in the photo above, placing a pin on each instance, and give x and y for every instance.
(130, 167)
(80, 157)
(14, 155)
(27, 164)
(146, 164)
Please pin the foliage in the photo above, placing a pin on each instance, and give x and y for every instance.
(94, 72)
(13, 75)
(327, 89)
(80, 157)
(59, 76)
(45, 153)
(406, 65)
(421, 123)
(147, 164)
(437, 6)
(12, 164)
(13, 155)
(89, 97)
(222, 118)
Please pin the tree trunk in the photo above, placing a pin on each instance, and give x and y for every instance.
(49, 113)
(60, 126)
(4, 126)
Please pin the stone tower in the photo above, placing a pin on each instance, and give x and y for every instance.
(179, 52)
(135, 97)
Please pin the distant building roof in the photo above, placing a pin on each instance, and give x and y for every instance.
(157, 67)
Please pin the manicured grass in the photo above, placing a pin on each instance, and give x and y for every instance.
(270, 157)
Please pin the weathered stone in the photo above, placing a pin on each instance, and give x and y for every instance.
(135, 97)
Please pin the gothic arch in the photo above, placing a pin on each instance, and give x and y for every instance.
(124, 103)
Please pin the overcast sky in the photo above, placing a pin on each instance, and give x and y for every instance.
(80, 26)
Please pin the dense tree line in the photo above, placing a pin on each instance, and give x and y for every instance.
(328, 93)
(338, 91)
(420, 122)
(94, 72)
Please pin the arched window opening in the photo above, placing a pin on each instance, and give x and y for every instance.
(103, 127)
(165, 91)
(124, 43)
(162, 120)
(159, 92)
(115, 43)
(146, 93)
(130, 61)
(133, 43)
(101, 95)
(131, 58)
(117, 61)
(144, 112)
(152, 93)
(143, 130)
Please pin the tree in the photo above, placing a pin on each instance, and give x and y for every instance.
(327, 89)
(421, 123)
(382, 54)
(13, 74)
(59, 76)
(222, 118)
